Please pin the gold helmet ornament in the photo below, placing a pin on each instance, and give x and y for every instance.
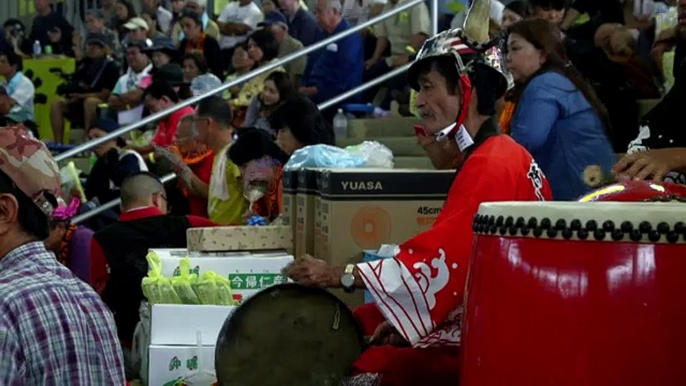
(469, 46)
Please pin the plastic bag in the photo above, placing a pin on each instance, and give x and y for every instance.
(374, 154)
(214, 289)
(157, 288)
(183, 284)
(323, 156)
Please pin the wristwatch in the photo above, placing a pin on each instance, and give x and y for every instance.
(348, 279)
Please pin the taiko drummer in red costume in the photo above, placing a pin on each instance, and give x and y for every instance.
(418, 295)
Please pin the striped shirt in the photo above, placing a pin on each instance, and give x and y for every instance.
(54, 329)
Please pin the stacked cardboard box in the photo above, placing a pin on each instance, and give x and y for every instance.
(250, 257)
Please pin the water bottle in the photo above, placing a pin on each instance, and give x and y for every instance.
(37, 48)
(340, 125)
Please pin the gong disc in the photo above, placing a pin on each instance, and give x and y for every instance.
(288, 335)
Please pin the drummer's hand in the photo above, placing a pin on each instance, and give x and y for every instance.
(310, 272)
(387, 334)
(651, 164)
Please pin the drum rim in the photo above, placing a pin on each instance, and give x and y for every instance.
(267, 291)
(643, 222)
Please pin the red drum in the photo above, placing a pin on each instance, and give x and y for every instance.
(638, 191)
(576, 294)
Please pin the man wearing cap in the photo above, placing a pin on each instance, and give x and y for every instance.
(53, 328)
(418, 295)
(199, 7)
(278, 24)
(17, 86)
(137, 30)
(235, 22)
(127, 97)
(91, 85)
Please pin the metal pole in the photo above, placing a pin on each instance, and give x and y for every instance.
(112, 204)
(434, 17)
(155, 117)
(363, 87)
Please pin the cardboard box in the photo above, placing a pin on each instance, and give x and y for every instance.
(248, 275)
(290, 209)
(240, 238)
(169, 363)
(364, 208)
(179, 324)
(307, 191)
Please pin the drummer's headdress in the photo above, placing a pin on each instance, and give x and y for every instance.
(473, 52)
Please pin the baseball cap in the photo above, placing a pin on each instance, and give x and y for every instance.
(136, 23)
(107, 125)
(29, 164)
(172, 73)
(99, 38)
(274, 17)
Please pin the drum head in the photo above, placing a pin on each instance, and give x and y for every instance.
(288, 335)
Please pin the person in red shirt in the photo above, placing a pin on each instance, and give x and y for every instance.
(159, 96)
(118, 251)
(419, 294)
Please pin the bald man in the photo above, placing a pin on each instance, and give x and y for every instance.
(122, 247)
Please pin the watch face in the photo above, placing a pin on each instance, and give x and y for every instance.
(348, 280)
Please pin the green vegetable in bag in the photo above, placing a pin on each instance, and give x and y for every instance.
(156, 288)
(206, 289)
(183, 284)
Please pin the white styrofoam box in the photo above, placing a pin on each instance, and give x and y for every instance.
(247, 275)
(169, 252)
(180, 253)
(179, 324)
(169, 363)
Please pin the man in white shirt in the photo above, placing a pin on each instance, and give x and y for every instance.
(236, 21)
(164, 16)
(18, 87)
(127, 97)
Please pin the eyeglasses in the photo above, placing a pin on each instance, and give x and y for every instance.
(164, 197)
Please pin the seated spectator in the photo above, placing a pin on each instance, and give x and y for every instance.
(550, 10)
(112, 166)
(263, 49)
(51, 29)
(154, 29)
(192, 161)
(276, 22)
(241, 64)
(70, 242)
(356, 11)
(16, 39)
(163, 17)
(127, 98)
(226, 203)
(338, 67)
(91, 85)
(109, 10)
(17, 86)
(299, 123)
(411, 30)
(236, 21)
(163, 51)
(198, 7)
(160, 96)
(514, 11)
(96, 24)
(12, 114)
(558, 117)
(54, 327)
(177, 7)
(260, 161)
(600, 12)
(143, 224)
(278, 87)
(124, 11)
(137, 31)
(196, 40)
(194, 65)
(301, 24)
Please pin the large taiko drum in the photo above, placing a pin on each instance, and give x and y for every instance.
(576, 294)
(288, 335)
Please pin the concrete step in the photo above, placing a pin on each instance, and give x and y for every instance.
(77, 136)
(400, 146)
(413, 163)
(382, 127)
